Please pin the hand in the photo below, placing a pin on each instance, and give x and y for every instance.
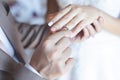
(51, 58)
(89, 31)
(75, 18)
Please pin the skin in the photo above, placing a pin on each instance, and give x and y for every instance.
(51, 58)
(77, 18)
(74, 21)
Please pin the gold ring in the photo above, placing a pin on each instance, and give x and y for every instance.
(65, 28)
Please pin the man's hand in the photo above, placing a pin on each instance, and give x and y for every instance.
(51, 59)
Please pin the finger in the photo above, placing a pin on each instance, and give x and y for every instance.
(75, 21)
(97, 26)
(101, 20)
(60, 15)
(91, 30)
(69, 64)
(54, 38)
(65, 19)
(66, 54)
(81, 25)
(60, 47)
(63, 44)
(86, 34)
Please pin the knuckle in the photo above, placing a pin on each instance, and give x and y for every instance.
(65, 33)
(66, 17)
(58, 25)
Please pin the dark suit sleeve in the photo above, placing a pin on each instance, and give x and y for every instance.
(7, 65)
(25, 74)
(17, 70)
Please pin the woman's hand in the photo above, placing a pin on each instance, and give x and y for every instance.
(89, 31)
(78, 19)
(51, 58)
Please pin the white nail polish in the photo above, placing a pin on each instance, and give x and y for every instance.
(50, 23)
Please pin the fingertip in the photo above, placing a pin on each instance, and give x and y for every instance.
(100, 19)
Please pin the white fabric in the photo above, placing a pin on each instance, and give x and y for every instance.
(98, 58)
(33, 70)
(111, 7)
(5, 41)
(10, 51)
(24, 11)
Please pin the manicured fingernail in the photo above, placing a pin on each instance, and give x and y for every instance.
(50, 23)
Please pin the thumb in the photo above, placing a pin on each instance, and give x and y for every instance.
(69, 64)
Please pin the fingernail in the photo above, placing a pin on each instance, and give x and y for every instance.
(50, 23)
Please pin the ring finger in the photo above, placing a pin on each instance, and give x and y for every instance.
(91, 30)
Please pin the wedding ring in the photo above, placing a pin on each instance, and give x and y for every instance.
(65, 28)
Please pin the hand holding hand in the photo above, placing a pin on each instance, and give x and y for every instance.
(51, 58)
(83, 21)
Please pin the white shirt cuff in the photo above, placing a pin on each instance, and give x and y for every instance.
(28, 66)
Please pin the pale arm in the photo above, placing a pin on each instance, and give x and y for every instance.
(111, 24)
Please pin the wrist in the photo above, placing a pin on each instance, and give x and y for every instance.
(28, 66)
